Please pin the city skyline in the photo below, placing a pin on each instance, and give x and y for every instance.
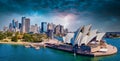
(102, 14)
(25, 26)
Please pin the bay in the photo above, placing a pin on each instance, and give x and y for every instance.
(10, 52)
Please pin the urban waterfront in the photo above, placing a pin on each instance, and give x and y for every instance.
(20, 53)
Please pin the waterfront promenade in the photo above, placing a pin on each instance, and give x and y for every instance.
(110, 49)
(55, 44)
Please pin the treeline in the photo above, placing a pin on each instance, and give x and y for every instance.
(4, 35)
(26, 37)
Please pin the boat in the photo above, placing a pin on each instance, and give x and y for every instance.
(27, 46)
(37, 48)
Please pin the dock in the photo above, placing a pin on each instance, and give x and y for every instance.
(67, 48)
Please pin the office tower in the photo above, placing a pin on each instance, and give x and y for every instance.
(13, 23)
(50, 26)
(43, 27)
(34, 28)
(27, 25)
(50, 30)
(39, 29)
(57, 29)
(23, 24)
(16, 24)
(61, 29)
(5, 28)
(10, 27)
(20, 26)
(50, 34)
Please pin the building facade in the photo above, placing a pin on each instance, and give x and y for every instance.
(43, 27)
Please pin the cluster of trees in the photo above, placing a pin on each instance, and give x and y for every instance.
(29, 37)
(23, 37)
(34, 37)
(113, 35)
(3, 35)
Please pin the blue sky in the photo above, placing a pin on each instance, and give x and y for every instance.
(102, 14)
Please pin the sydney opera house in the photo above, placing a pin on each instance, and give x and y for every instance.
(85, 41)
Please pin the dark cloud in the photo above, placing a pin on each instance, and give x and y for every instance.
(98, 12)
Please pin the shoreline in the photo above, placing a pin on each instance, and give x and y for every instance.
(16, 43)
(111, 49)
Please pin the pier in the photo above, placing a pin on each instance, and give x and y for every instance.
(67, 48)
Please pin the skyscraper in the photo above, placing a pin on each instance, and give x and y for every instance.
(43, 27)
(10, 27)
(23, 24)
(16, 24)
(50, 30)
(20, 26)
(59, 29)
(50, 34)
(5, 28)
(34, 28)
(13, 23)
(27, 25)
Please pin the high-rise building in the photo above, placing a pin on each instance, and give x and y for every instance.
(13, 23)
(50, 30)
(34, 28)
(10, 27)
(20, 26)
(5, 28)
(27, 25)
(16, 24)
(61, 29)
(50, 34)
(43, 27)
(50, 26)
(57, 29)
(23, 24)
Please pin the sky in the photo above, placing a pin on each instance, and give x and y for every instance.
(104, 15)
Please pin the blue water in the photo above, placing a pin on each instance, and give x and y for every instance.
(20, 53)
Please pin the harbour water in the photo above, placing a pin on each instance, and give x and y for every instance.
(20, 53)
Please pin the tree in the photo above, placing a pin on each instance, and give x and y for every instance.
(8, 34)
(27, 37)
(14, 38)
(2, 36)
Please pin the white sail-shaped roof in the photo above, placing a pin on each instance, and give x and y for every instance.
(84, 40)
(77, 35)
(83, 35)
(86, 29)
(100, 36)
(90, 38)
(79, 38)
(68, 37)
(92, 34)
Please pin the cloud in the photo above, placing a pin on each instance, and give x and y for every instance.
(103, 14)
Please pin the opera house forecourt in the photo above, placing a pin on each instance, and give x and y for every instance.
(85, 42)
